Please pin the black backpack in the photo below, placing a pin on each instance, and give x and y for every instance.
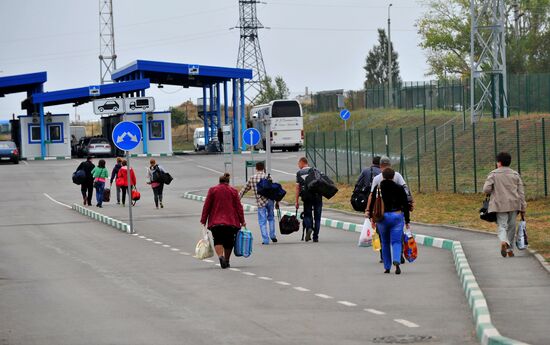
(360, 195)
(159, 175)
(270, 190)
(317, 183)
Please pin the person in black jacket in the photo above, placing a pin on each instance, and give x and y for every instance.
(396, 215)
(114, 175)
(87, 187)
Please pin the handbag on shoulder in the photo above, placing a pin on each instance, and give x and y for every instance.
(484, 213)
(378, 210)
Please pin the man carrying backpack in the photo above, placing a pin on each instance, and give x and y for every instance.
(313, 202)
(363, 186)
(266, 213)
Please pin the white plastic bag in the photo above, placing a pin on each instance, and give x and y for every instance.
(365, 239)
(204, 249)
(521, 239)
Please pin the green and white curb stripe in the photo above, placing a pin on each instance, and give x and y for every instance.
(487, 333)
(142, 155)
(117, 224)
(58, 158)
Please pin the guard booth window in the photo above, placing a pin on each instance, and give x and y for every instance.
(54, 133)
(34, 134)
(156, 129)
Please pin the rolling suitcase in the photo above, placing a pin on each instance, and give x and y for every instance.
(106, 195)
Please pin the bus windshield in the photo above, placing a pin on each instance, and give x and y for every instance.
(286, 109)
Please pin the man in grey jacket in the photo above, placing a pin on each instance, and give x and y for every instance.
(505, 187)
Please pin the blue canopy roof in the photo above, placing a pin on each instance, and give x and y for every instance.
(22, 83)
(86, 94)
(187, 75)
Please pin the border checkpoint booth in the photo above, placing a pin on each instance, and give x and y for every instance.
(37, 129)
(209, 78)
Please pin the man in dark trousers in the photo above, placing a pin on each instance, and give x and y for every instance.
(313, 203)
(87, 187)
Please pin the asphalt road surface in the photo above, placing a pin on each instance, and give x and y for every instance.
(66, 279)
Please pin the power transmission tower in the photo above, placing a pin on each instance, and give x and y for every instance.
(107, 55)
(250, 53)
(488, 59)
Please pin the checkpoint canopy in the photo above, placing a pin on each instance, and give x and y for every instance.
(36, 102)
(210, 78)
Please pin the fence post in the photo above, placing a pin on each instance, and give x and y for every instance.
(425, 135)
(475, 159)
(336, 158)
(401, 160)
(307, 144)
(387, 140)
(418, 157)
(351, 151)
(435, 158)
(463, 109)
(544, 158)
(315, 149)
(454, 156)
(347, 156)
(372, 141)
(495, 139)
(360, 154)
(518, 147)
(325, 150)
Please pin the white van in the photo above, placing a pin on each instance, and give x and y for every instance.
(198, 139)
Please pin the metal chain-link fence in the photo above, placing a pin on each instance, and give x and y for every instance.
(446, 158)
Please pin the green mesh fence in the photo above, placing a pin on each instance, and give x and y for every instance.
(446, 158)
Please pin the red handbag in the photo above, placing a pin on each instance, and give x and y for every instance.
(135, 196)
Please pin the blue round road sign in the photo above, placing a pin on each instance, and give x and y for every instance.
(126, 135)
(251, 136)
(345, 114)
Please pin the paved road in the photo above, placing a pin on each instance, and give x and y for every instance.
(65, 279)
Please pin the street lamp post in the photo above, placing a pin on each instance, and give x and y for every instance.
(390, 91)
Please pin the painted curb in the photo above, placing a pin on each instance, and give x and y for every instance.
(142, 155)
(487, 333)
(58, 158)
(117, 224)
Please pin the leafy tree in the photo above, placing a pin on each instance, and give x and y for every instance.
(445, 33)
(376, 66)
(273, 90)
(179, 116)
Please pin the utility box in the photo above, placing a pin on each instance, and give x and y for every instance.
(227, 138)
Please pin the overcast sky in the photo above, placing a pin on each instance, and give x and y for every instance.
(321, 44)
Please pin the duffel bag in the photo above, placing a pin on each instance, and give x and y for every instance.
(288, 224)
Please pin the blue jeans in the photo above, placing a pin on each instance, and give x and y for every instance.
(265, 215)
(100, 187)
(391, 236)
(312, 214)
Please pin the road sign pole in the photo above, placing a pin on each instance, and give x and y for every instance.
(268, 145)
(131, 230)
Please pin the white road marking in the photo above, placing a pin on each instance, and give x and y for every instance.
(175, 249)
(185, 253)
(149, 239)
(406, 323)
(282, 283)
(301, 289)
(166, 246)
(218, 265)
(235, 269)
(375, 312)
(249, 274)
(205, 168)
(322, 295)
(347, 304)
(283, 172)
(208, 260)
(157, 242)
(265, 278)
(24, 162)
(142, 237)
(57, 202)
(135, 234)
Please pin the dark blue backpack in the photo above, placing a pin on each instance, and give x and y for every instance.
(270, 190)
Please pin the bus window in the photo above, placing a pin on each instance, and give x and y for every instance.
(286, 109)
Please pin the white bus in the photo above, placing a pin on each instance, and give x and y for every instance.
(287, 124)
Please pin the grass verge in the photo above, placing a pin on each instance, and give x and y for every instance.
(459, 210)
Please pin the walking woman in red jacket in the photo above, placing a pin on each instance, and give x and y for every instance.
(225, 216)
(122, 181)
